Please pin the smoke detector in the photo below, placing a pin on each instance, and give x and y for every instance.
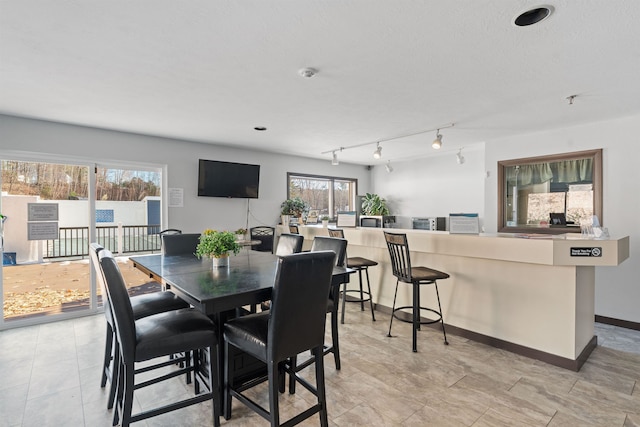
(307, 73)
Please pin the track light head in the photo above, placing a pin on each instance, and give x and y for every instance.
(437, 143)
(334, 159)
(388, 166)
(378, 153)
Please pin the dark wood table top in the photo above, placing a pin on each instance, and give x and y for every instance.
(248, 279)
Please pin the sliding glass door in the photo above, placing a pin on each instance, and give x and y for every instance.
(51, 212)
(45, 230)
(128, 219)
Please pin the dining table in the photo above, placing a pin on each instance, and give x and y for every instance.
(223, 293)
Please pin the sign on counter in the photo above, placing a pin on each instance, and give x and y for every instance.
(588, 252)
(464, 223)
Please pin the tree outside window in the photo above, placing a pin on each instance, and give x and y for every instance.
(325, 194)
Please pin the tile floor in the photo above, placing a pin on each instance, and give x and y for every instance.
(49, 376)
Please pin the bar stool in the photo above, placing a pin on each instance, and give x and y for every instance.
(360, 264)
(401, 266)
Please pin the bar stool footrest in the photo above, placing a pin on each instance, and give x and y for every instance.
(408, 316)
(354, 299)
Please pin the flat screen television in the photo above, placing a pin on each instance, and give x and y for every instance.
(227, 179)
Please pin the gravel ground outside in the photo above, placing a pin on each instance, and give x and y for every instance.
(54, 287)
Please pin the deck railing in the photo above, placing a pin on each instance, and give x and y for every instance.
(119, 239)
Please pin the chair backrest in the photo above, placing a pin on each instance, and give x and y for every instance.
(337, 245)
(171, 231)
(399, 252)
(336, 232)
(289, 244)
(120, 304)
(294, 229)
(265, 235)
(94, 250)
(299, 303)
(180, 244)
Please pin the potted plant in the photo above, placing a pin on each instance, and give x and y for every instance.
(325, 221)
(292, 207)
(241, 233)
(217, 245)
(372, 204)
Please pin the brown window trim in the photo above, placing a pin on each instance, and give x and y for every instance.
(596, 155)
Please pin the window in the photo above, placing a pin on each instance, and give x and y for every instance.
(325, 194)
(569, 186)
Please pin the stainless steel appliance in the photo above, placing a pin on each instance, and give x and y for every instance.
(432, 223)
(379, 221)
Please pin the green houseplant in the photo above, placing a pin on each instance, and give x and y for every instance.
(292, 207)
(217, 245)
(372, 204)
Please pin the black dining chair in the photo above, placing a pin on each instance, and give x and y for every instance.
(180, 244)
(417, 276)
(185, 331)
(359, 264)
(295, 323)
(142, 305)
(339, 247)
(265, 235)
(289, 244)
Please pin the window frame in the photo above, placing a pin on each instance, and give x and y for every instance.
(596, 155)
(332, 180)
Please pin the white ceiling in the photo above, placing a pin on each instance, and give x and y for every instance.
(210, 70)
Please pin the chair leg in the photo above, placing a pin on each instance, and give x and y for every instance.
(361, 293)
(114, 374)
(274, 394)
(127, 402)
(108, 356)
(119, 392)
(416, 315)
(320, 388)
(334, 337)
(228, 382)
(293, 362)
(344, 300)
(393, 308)
(441, 316)
(373, 316)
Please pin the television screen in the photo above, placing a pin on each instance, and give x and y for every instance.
(227, 179)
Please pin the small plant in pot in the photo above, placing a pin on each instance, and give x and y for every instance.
(372, 204)
(325, 220)
(292, 207)
(217, 245)
(241, 233)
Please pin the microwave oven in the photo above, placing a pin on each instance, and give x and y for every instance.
(433, 223)
(378, 221)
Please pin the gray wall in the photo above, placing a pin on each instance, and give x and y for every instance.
(59, 142)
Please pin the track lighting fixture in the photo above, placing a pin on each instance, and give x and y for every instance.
(460, 157)
(334, 160)
(388, 166)
(437, 143)
(378, 153)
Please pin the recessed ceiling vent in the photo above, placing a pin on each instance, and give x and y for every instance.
(533, 16)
